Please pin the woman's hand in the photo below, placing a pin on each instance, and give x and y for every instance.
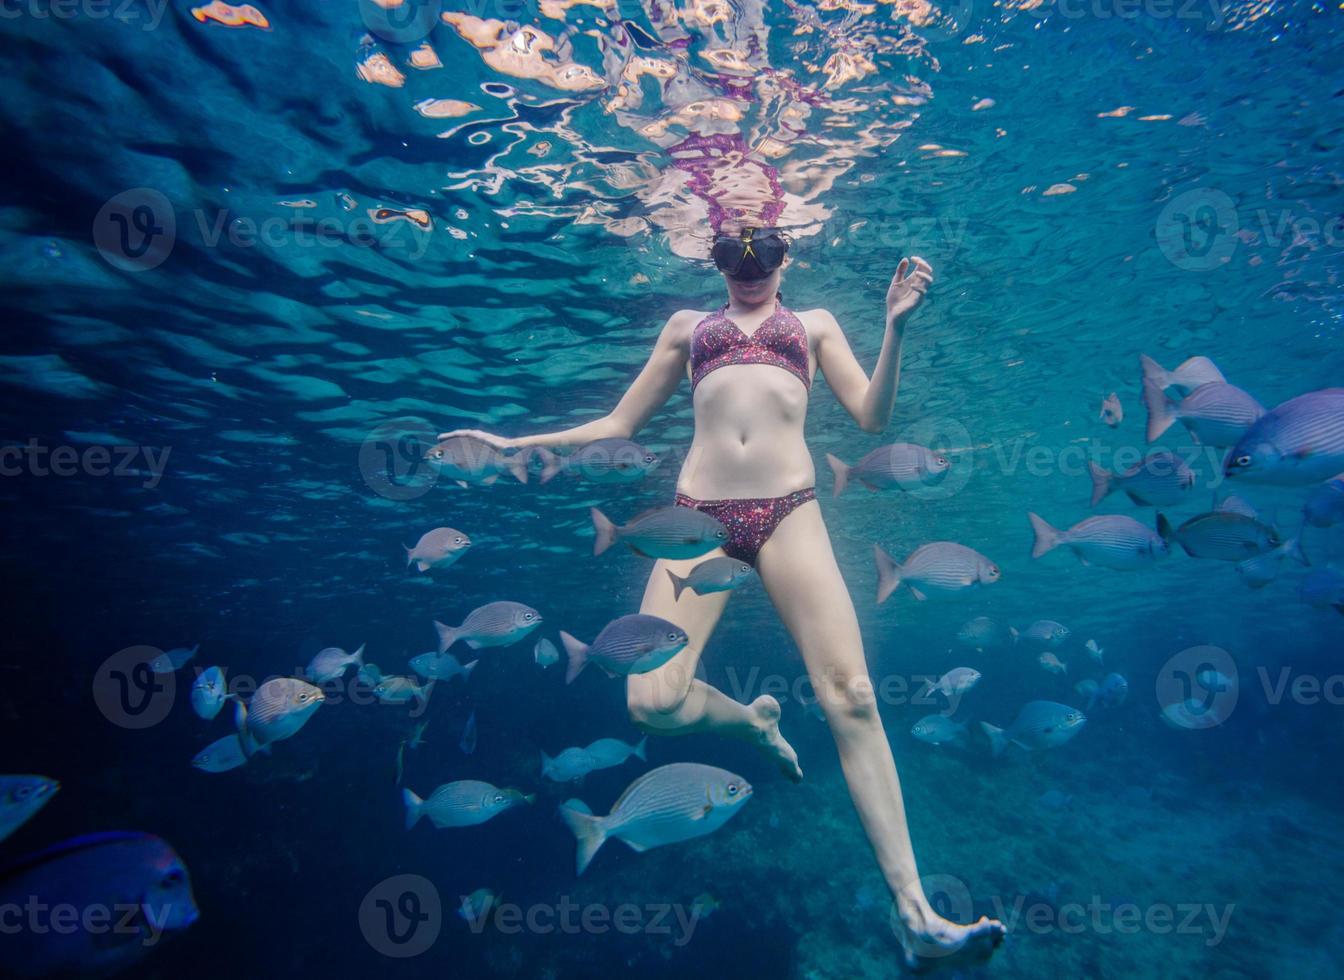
(489, 438)
(907, 288)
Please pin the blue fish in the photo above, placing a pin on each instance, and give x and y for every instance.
(468, 743)
(1296, 443)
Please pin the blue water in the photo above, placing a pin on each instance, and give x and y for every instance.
(1089, 181)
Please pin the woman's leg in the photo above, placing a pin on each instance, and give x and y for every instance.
(671, 701)
(804, 583)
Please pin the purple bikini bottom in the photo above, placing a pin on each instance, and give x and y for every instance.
(750, 520)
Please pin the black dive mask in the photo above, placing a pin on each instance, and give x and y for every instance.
(753, 255)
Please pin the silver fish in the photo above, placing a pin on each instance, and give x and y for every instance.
(901, 465)
(1039, 725)
(281, 706)
(209, 692)
(1094, 651)
(569, 765)
(605, 461)
(666, 805)
(174, 660)
(20, 799)
(1191, 374)
(467, 460)
(370, 674)
(495, 624)
(720, 574)
(634, 644)
(1227, 536)
(441, 666)
(438, 548)
(1110, 540)
(941, 730)
(221, 755)
(462, 804)
(1052, 664)
(329, 664)
(608, 752)
(939, 568)
(401, 690)
(663, 532)
(1325, 504)
(1090, 690)
(1044, 633)
(1160, 479)
(1112, 412)
(980, 633)
(545, 653)
(1297, 443)
(954, 683)
(1114, 690)
(1214, 414)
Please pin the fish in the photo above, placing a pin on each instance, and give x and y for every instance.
(1324, 506)
(704, 905)
(1297, 443)
(609, 752)
(954, 683)
(633, 644)
(1039, 725)
(467, 460)
(134, 883)
(1052, 664)
(221, 755)
(1114, 690)
(21, 797)
(1112, 412)
(1160, 479)
(663, 532)
(476, 906)
(569, 765)
(720, 574)
(1044, 633)
(495, 624)
(980, 633)
(603, 461)
(1223, 535)
(464, 803)
(441, 666)
(1090, 690)
(545, 653)
(173, 660)
(1192, 714)
(1322, 587)
(439, 548)
(370, 674)
(395, 689)
(1214, 414)
(941, 730)
(1108, 540)
(416, 738)
(900, 465)
(330, 664)
(941, 568)
(1189, 375)
(468, 742)
(667, 805)
(209, 692)
(281, 706)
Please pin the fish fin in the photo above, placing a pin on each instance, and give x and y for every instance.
(517, 464)
(358, 656)
(423, 566)
(414, 808)
(467, 669)
(1047, 537)
(1166, 532)
(1101, 482)
(589, 831)
(1292, 548)
(642, 554)
(678, 584)
(463, 483)
(639, 749)
(1162, 411)
(841, 471)
(447, 636)
(1154, 373)
(888, 574)
(608, 671)
(917, 594)
(1014, 634)
(605, 529)
(551, 464)
(409, 559)
(578, 656)
(997, 742)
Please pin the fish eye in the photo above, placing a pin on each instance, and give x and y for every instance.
(171, 879)
(744, 568)
(672, 636)
(1242, 460)
(941, 460)
(994, 570)
(649, 458)
(732, 789)
(527, 615)
(304, 697)
(459, 540)
(499, 797)
(23, 792)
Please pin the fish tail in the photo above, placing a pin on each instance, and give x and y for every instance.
(997, 742)
(588, 830)
(551, 464)
(1167, 533)
(578, 656)
(888, 574)
(841, 471)
(447, 636)
(358, 657)
(468, 668)
(1101, 482)
(517, 464)
(606, 531)
(1047, 538)
(409, 559)
(545, 764)
(1154, 373)
(1161, 410)
(639, 749)
(678, 584)
(414, 808)
(1012, 632)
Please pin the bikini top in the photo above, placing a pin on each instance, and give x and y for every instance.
(781, 340)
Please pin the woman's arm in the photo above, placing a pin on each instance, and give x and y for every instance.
(870, 402)
(664, 370)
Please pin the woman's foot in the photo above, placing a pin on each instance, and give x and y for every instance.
(934, 943)
(766, 711)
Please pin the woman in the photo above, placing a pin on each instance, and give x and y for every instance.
(751, 365)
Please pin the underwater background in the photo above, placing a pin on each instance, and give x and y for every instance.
(373, 224)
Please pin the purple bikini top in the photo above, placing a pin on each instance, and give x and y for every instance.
(781, 340)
